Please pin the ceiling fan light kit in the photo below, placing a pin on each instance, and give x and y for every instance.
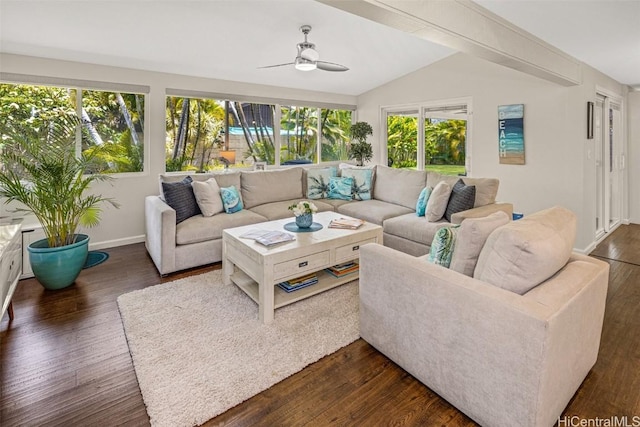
(308, 58)
(303, 64)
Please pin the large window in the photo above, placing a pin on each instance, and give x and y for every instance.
(298, 135)
(113, 121)
(430, 137)
(203, 134)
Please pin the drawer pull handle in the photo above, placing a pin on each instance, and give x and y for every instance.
(355, 248)
(303, 264)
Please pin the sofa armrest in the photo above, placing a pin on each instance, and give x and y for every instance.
(466, 339)
(482, 211)
(160, 228)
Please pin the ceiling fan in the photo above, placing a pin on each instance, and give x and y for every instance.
(308, 58)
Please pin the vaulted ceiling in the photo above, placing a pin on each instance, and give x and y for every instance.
(230, 40)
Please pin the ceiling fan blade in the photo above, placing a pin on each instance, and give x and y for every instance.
(278, 65)
(330, 66)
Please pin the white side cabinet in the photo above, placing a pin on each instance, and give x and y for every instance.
(10, 264)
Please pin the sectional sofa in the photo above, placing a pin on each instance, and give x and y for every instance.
(266, 195)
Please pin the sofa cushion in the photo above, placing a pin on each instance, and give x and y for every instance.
(280, 210)
(522, 254)
(201, 229)
(228, 179)
(472, 235)
(412, 227)
(179, 176)
(423, 198)
(337, 202)
(374, 211)
(231, 199)
(443, 246)
(179, 195)
(462, 198)
(399, 186)
(362, 182)
(437, 204)
(260, 187)
(486, 188)
(317, 180)
(207, 195)
(340, 188)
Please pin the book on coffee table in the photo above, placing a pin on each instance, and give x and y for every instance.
(273, 238)
(346, 223)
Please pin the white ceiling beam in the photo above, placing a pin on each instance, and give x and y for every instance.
(468, 27)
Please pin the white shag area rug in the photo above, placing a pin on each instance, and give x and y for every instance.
(198, 348)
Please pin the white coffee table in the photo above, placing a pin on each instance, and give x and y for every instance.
(260, 268)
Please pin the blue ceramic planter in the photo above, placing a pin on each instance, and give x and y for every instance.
(57, 268)
(304, 221)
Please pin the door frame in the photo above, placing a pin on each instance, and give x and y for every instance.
(619, 157)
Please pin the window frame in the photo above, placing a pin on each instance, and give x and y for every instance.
(428, 109)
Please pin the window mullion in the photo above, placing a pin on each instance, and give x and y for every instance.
(319, 136)
(79, 127)
(277, 116)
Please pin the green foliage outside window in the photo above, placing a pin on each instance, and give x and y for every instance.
(113, 121)
(195, 133)
(444, 143)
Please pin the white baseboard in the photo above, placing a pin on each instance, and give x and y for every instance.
(117, 242)
(587, 250)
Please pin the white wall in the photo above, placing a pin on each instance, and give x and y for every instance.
(126, 225)
(633, 157)
(559, 168)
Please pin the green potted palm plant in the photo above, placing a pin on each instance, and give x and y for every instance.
(361, 150)
(40, 169)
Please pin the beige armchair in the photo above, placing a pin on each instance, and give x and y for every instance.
(502, 358)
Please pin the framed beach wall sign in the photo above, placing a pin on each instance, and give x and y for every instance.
(511, 134)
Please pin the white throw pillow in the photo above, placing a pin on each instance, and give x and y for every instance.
(437, 204)
(208, 197)
(472, 235)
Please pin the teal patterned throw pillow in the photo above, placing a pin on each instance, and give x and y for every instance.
(231, 199)
(361, 187)
(442, 246)
(340, 188)
(318, 182)
(423, 198)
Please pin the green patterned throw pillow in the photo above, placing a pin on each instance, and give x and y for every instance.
(361, 187)
(318, 182)
(442, 246)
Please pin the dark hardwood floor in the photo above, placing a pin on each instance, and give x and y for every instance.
(64, 360)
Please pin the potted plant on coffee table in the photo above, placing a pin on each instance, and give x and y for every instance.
(39, 168)
(361, 150)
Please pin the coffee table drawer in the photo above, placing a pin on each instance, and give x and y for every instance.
(351, 251)
(301, 265)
